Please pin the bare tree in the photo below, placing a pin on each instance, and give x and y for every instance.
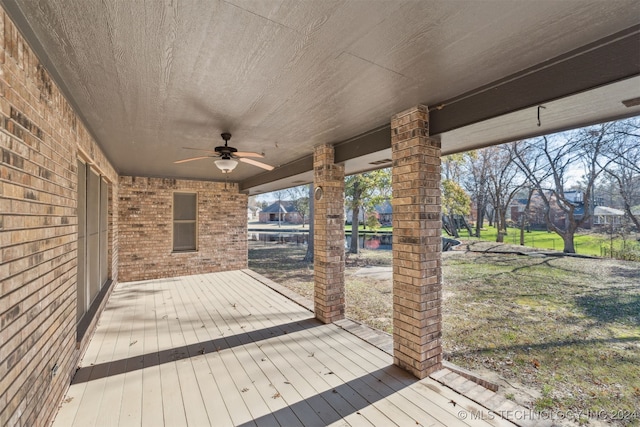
(300, 200)
(524, 216)
(547, 163)
(504, 180)
(622, 161)
(475, 182)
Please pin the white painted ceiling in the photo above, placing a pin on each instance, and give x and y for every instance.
(151, 77)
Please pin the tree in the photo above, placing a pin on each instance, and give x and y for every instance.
(455, 201)
(364, 191)
(524, 216)
(475, 182)
(280, 194)
(451, 174)
(253, 205)
(547, 163)
(504, 180)
(300, 200)
(622, 160)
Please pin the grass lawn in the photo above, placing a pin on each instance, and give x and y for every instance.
(567, 329)
(585, 244)
(347, 228)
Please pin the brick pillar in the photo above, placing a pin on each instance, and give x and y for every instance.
(328, 222)
(417, 277)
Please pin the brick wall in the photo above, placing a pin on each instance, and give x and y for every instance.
(40, 136)
(145, 228)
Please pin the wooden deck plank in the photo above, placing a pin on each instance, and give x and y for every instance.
(261, 395)
(131, 406)
(234, 403)
(109, 411)
(405, 385)
(368, 388)
(152, 410)
(356, 392)
(388, 378)
(73, 399)
(224, 349)
(326, 390)
(308, 415)
(101, 385)
(183, 337)
(172, 394)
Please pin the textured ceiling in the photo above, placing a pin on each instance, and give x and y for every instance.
(151, 77)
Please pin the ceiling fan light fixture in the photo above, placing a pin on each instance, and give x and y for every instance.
(226, 165)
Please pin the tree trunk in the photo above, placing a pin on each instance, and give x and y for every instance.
(568, 243)
(354, 230)
(309, 255)
(525, 216)
(480, 219)
(454, 226)
(500, 226)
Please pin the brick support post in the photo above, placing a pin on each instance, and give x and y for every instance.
(417, 277)
(328, 220)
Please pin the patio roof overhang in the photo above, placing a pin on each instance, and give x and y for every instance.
(149, 78)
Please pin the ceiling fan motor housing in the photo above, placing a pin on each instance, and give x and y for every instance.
(225, 149)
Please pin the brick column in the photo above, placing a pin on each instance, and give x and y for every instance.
(328, 222)
(417, 277)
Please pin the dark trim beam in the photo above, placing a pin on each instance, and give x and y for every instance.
(606, 61)
(361, 145)
(297, 167)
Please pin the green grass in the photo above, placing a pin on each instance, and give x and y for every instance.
(585, 244)
(361, 227)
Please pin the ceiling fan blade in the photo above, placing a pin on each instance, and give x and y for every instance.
(247, 154)
(192, 158)
(256, 163)
(199, 149)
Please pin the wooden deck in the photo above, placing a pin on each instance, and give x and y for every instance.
(224, 349)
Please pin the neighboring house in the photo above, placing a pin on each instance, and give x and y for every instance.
(536, 218)
(383, 211)
(605, 216)
(283, 211)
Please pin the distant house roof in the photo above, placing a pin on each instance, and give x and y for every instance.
(384, 208)
(285, 206)
(574, 196)
(603, 210)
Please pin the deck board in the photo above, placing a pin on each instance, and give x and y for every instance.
(224, 349)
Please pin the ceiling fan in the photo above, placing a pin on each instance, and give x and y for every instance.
(228, 157)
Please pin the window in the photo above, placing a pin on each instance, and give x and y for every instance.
(184, 221)
(93, 228)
